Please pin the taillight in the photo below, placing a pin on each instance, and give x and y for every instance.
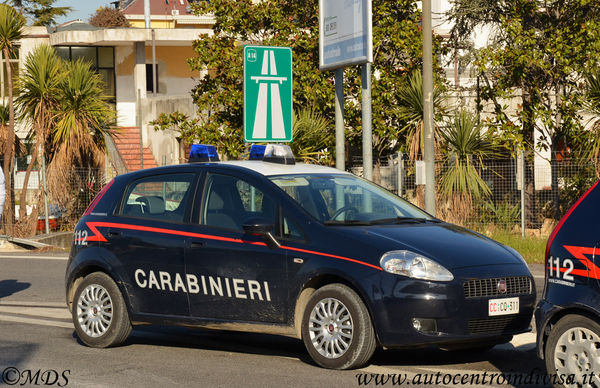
(92, 205)
(563, 219)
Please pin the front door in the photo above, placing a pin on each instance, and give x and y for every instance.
(238, 276)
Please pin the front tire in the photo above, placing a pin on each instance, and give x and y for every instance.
(337, 329)
(573, 348)
(99, 312)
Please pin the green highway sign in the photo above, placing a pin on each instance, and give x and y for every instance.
(267, 94)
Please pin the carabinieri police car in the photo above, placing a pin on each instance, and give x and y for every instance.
(568, 315)
(311, 252)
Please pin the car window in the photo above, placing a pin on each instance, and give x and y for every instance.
(291, 229)
(161, 197)
(230, 201)
(341, 198)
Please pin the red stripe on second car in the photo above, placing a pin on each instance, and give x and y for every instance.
(99, 237)
(579, 253)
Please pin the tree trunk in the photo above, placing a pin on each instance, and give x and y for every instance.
(9, 152)
(528, 138)
(553, 150)
(23, 196)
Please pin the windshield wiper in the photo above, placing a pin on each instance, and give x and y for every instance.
(403, 220)
(347, 222)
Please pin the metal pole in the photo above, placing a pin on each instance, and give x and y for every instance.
(429, 151)
(522, 159)
(47, 222)
(147, 13)
(139, 106)
(367, 132)
(154, 75)
(400, 173)
(340, 157)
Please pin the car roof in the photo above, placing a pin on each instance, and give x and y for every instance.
(272, 169)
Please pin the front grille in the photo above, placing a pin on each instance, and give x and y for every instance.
(498, 325)
(515, 285)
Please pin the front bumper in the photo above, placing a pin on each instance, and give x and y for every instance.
(396, 300)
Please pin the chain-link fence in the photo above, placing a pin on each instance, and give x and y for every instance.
(512, 188)
(518, 194)
(69, 192)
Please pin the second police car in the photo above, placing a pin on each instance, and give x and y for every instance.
(299, 250)
(568, 315)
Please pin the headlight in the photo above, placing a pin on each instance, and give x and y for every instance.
(415, 266)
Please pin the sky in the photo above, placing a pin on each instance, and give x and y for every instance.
(81, 9)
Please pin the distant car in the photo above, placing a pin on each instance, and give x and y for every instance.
(300, 250)
(55, 216)
(568, 315)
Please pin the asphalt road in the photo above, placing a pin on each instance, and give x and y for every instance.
(36, 334)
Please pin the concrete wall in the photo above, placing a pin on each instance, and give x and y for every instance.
(164, 144)
(174, 78)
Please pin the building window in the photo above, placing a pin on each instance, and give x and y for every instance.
(14, 64)
(102, 60)
(149, 79)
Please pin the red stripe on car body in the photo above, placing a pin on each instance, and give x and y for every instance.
(94, 225)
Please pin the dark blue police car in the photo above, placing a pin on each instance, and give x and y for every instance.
(299, 250)
(568, 315)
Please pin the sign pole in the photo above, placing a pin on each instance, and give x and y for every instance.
(367, 133)
(429, 148)
(340, 152)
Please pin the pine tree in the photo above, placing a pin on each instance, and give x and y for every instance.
(41, 12)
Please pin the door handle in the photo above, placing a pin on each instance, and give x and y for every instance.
(114, 233)
(197, 244)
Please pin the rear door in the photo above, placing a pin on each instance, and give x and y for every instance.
(238, 276)
(148, 235)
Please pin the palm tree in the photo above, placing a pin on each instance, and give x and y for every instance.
(313, 138)
(410, 110)
(81, 120)
(11, 26)
(37, 101)
(466, 148)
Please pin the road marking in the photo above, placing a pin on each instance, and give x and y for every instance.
(46, 312)
(35, 257)
(34, 304)
(42, 322)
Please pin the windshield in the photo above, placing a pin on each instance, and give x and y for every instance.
(348, 200)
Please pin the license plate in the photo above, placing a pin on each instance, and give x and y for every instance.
(504, 306)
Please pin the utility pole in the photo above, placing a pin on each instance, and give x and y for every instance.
(147, 13)
(429, 151)
(367, 132)
(340, 153)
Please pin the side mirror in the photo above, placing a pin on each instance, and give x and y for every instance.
(262, 227)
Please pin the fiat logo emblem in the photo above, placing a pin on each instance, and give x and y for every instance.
(502, 286)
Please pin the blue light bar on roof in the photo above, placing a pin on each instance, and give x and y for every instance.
(279, 153)
(203, 153)
(257, 152)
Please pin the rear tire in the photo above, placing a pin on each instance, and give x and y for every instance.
(337, 329)
(573, 347)
(99, 312)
